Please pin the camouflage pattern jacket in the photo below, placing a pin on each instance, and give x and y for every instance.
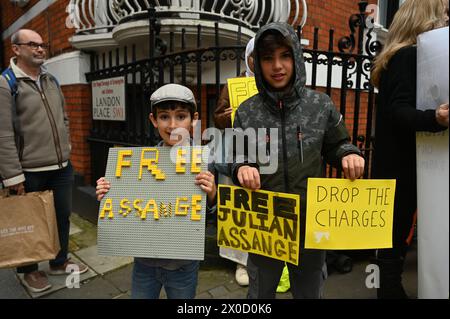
(310, 129)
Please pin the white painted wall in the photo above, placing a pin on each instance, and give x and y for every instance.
(69, 68)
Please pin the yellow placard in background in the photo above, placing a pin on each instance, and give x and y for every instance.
(259, 222)
(342, 214)
(239, 90)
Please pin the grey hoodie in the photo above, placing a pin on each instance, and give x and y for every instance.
(310, 129)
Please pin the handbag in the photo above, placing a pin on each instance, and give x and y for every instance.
(28, 228)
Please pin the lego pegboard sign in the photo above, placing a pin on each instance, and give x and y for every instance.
(153, 208)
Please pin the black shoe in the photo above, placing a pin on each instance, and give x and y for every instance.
(343, 264)
(391, 279)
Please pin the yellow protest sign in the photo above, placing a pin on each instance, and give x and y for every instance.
(342, 214)
(259, 222)
(239, 90)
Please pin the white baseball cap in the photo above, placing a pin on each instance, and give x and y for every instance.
(173, 92)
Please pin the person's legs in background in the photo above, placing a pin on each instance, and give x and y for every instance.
(33, 279)
(264, 275)
(391, 261)
(308, 278)
(61, 183)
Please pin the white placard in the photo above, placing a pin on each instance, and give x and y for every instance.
(108, 99)
(433, 169)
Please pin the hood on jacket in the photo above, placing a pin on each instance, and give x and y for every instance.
(299, 68)
(248, 51)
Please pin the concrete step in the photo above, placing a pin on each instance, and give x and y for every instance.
(85, 203)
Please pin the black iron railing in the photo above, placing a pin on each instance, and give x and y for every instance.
(354, 95)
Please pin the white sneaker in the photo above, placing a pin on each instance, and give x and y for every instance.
(241, 275)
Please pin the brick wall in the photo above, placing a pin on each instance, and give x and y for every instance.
(11, 13)
(50, 24)
(326, 15)
(78, 107)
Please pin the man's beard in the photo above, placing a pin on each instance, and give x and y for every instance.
(37, 61)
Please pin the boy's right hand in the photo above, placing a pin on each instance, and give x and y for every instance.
(103, 187)
(249, 177)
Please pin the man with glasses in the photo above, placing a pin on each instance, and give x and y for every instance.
(35, 144)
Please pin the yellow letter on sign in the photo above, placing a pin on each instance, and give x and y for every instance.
(196, 166)
(125, 209)
(181, 209)
(150, 208)
(239, 90)
(151, 164)
(196, 207)
(181, 161)
(121, 162)
(107, 207)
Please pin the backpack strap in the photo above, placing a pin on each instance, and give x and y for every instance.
(51, 76)
(10, 77)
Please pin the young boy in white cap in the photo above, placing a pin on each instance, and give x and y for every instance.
(173, 107)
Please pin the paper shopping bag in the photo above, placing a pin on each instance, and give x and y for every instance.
(28, 229)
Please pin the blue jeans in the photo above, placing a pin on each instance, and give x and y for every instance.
(179, 284)
(60, 182)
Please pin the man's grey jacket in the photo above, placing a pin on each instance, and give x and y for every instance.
(44, 128)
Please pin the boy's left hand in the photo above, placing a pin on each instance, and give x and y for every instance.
(207, 184)
(353, 166)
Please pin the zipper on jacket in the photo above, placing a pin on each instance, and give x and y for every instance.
(283, 137)
(300, 143)
(21, 146)
(267, 142)
(53, 125)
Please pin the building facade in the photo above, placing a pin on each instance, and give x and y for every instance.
(199, 43)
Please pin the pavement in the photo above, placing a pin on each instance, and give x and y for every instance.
(110, 277)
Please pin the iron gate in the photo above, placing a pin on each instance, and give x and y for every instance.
(354, 97)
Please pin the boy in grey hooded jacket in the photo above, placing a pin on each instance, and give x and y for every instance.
(310, 131)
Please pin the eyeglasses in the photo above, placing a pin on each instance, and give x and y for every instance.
(35, 45)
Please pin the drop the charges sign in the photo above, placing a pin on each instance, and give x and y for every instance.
(344, 214)
(153, 209)
(108, 99)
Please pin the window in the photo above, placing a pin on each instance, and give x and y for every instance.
(387, 10)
